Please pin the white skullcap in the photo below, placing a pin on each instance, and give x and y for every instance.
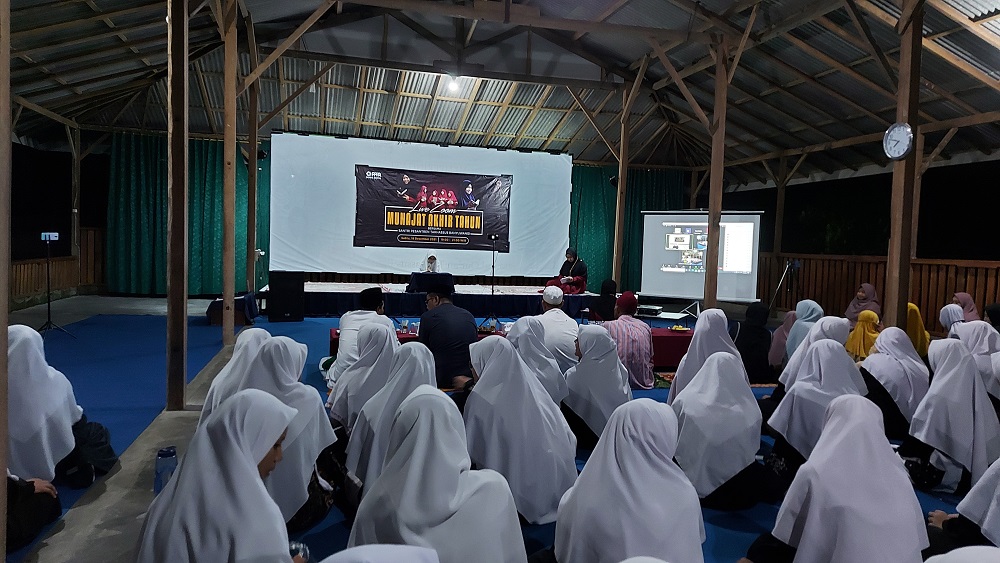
(552, 295)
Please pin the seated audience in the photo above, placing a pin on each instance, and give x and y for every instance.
(866, 299)
(851, 502)
(372, 311)
(631, 498)
(634, 340)
(983, 341)
(572, 275)
(807, 312)
(362, 379)
(515, 429)
(955, 435)
(968, 305)
(32, 504)
(776, 355)
(992, 315)
(215, 507)
(49, 436)
(597, 385)
(448, 331)
(560, 329)
(754, 344)
(827, 373)
(412, 366)
(276, 370)
(248, 344)
(711, 335)
(897, 380)
(384, 553)
(976, 523)
(951, 316)
(528, 338)
(603, 308)
(719, 435)
(862, 337)
(428, 496)
(915, 329)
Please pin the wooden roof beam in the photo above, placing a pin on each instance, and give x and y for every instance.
(44, 111)
(610, 11)
(972, 27)
(873, 48)
(159, 7)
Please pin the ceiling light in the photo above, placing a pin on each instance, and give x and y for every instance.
(453, 85)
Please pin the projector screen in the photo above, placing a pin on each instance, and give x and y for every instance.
(415, 199)
(673, 254)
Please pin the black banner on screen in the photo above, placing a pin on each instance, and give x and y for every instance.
(421, 209)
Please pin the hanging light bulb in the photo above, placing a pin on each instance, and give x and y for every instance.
(453, 85)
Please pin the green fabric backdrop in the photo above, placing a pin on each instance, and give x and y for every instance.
(592, 220)
(137, 216)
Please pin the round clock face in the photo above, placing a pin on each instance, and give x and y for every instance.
(898, 141)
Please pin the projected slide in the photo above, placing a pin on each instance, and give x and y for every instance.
(424, 209)
(674, 253)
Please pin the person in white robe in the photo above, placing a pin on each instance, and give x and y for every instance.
(852, 501)
(528, 337)
(599, 383)
(412, 366)
(384, 554)
(513, 427)
(277, 370)
(248, 344)
(428, 496)
(719, 424)
(903, 377)
(711, 335)
(631, 499)
(365, 377)
(215, 507)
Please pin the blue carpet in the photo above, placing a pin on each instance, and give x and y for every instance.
(117, 367)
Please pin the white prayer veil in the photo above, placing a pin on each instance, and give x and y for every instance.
(528, 337)
(711, 335)
(384, 554)
(364, 378)
(247, 346)
(599, 383)
(826, 328)
(899, 369)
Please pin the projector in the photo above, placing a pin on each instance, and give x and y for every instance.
(649, 310)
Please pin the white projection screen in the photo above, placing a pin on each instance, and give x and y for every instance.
(673, 254)
(313, 206)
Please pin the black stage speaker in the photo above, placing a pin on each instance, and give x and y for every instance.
(286, 298)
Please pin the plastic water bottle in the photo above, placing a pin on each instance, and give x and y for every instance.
(298, 549)
(166, 464)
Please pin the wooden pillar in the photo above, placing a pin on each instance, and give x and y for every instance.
(231, 63)
(619, 255)
(904, 172)
(252, 188)
(915, 222)
(177, 201)
(5, 164)
(717, 171)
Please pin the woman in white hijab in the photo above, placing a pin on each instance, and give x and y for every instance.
(515, 429)
(412, 366)
(277, 370)
(897, 380)
(597, 385)
(976, 554)
(215, 507)
(711, 335)
(248, 344)
(852, 501)
(720, 434)
(364, 378)
(427, 495)
(49, 437)
(955, 434)
(951, 316)
(430, 263)
(976, 523)
(827, 372)
(631, 498)
(807, 312)
(983, 341)
(528, 337)
(384, 554)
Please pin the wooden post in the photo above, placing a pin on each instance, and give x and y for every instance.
(177, 201)
(915, 222)
(77, 153)
(5, 164)
(230, 77)
(717, 171)
(622, 191)
(904, 172)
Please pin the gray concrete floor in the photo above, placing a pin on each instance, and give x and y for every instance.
(104, 525)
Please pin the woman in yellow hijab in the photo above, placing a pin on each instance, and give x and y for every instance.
(862, 338)
(915, 330)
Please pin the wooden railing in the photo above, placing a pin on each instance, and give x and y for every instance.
(832, 281)
(69, 273)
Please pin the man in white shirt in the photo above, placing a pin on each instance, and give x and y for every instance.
(560, 330)
(372, 311)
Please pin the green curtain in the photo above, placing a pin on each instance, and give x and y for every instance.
(648, 190)
(137, 216)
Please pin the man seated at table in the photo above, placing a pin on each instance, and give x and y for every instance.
(635, 341)
(372, 311)
(560, 329)
(572, 275)
(448, 331)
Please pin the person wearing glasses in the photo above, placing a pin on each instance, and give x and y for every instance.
(448, 331)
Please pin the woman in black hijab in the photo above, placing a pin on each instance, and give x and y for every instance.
(572, 275)
(603, 308)
(754, 342)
